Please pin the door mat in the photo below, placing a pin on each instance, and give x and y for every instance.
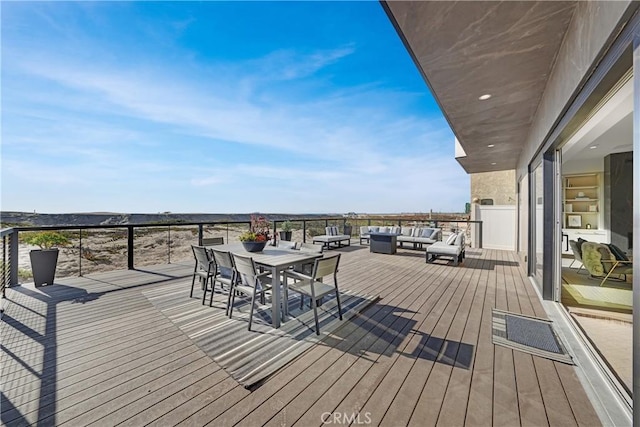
(528, 334)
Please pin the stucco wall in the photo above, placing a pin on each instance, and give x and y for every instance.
(499, 186)
(589, 31)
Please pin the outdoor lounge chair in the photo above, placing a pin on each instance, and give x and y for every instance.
(332, 236)
(600, 262)
(453, 248)
(312, 285)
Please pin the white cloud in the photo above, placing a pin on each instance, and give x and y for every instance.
(130, 131)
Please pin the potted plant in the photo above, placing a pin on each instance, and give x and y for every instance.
(45, 259)
(285, 233)
(257, 237)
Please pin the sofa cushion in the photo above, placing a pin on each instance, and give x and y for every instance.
(328, 231)
(406, 231)
(373, 229)
(417, 232)
(336, 230)
(364, 230)
(394, 230)
(459, 240)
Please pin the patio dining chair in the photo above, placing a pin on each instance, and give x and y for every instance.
(248, 282)
(312, 285)
(225, 274)
(204, 269)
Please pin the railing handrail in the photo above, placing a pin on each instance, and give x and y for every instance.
(10, 234)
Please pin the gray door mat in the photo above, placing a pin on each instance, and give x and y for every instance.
(528, 334)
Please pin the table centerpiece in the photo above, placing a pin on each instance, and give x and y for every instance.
(257, 237)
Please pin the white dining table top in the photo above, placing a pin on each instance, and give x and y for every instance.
(270, 256)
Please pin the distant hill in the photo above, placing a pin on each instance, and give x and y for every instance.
(26, 219)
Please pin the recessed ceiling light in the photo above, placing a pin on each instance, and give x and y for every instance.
(592, 147)
(491, 145)
(484, 97)
(493, 164)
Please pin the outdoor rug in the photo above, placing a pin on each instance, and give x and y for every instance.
(587, 292)
(528, 334)
(251, 357)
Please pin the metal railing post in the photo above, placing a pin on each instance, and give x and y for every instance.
(130, 247)
(169, 245)
(80, 255)
(304, 231)
(480, 238)
(13, 258)
(199, 234)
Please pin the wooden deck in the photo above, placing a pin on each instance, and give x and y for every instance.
(94, 350)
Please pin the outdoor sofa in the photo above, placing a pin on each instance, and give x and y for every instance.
(333, 237)
(417, 236)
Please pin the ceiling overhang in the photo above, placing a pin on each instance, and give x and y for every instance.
(466, 49)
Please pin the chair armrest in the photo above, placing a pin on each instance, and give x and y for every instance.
(297, 275)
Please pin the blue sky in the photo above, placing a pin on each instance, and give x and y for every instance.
(218, 107)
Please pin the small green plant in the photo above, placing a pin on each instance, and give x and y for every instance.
(287, 226)
(46, 239)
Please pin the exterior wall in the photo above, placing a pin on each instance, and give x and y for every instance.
(499, 186)
(498, 226)
(589, 31)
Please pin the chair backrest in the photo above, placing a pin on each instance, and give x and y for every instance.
(311, 247)
(212, 241)
(326, 266)
(287, 244)
(202, 256)
(459, 239)
(364, 230)
(222, 258)
(577, 253)
(245, 266)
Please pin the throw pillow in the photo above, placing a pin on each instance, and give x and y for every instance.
(328, 231)
(617, 252)
(451, 239)
(427, 232)
(373, 229)
(335, 230)
(383, 230)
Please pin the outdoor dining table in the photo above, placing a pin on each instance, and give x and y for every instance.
(276, 260)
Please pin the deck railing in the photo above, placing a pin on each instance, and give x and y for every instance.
(81, 247)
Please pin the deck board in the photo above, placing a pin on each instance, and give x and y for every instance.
(94, 349)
